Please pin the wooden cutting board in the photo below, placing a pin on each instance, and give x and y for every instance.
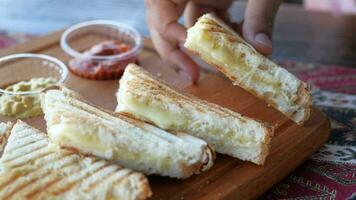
(229, 178)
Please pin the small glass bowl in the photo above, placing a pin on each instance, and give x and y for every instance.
(81, 37)
(24, 67)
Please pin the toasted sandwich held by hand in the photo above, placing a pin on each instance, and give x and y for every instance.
(33, 168)
(223, 48)
(145, 97)
(75, 124)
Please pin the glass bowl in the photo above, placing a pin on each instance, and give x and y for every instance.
(83, 36)
(24, 67)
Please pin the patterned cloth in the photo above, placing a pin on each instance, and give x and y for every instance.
(330, 173)
(7, 40)
(326, 77)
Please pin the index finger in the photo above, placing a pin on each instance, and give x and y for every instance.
(163, 16)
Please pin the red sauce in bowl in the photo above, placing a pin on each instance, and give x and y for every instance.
(89, 68)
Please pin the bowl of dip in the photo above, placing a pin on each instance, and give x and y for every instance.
(101, 49)
(22, 78)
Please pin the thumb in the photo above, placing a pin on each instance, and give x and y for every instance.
(258, 24)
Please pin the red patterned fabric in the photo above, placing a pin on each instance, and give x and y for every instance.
(330, 173)
(326, 77)
(7, 39)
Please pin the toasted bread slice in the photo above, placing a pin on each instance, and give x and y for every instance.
(33, 168)
(147, 98)
(223, 48)
(75, 124)
(5, 129)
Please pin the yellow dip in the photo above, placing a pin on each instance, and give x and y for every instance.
(24, 106)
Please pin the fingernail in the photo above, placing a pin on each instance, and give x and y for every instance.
(263, 39)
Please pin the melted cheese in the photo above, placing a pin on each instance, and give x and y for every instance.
(236, 61)
(79, 136)
(162, 118)
(64, 133)
(175, 120)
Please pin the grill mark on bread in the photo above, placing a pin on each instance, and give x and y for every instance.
(24, 154)
(81, 175)
(99, 179)
(124, 177)
(121, 174)
(16, 165)
(24, 144)
(19, 132)
(57, 177)
(43, 160)
(18, 188)
(118, 181)
(37, 175)
(9, 180)
(37, 191)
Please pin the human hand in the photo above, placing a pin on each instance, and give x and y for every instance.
(167, 34)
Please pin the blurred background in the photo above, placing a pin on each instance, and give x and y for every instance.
(302, 26)
(39, 17)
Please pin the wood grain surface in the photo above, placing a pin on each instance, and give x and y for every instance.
(229, 178)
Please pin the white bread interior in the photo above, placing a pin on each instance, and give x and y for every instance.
(33, 168)
(75, 124)
(224, 49)
(147, 98)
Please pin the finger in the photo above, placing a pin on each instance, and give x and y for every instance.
(173, 53)
(186, 64)
(163, 15)
(166, 33)
(258, 25)
(196, 9)
(193, 11)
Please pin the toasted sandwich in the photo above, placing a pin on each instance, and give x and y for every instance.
(147, 98)
(224, 49)
(75, 124)
(33, 168)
